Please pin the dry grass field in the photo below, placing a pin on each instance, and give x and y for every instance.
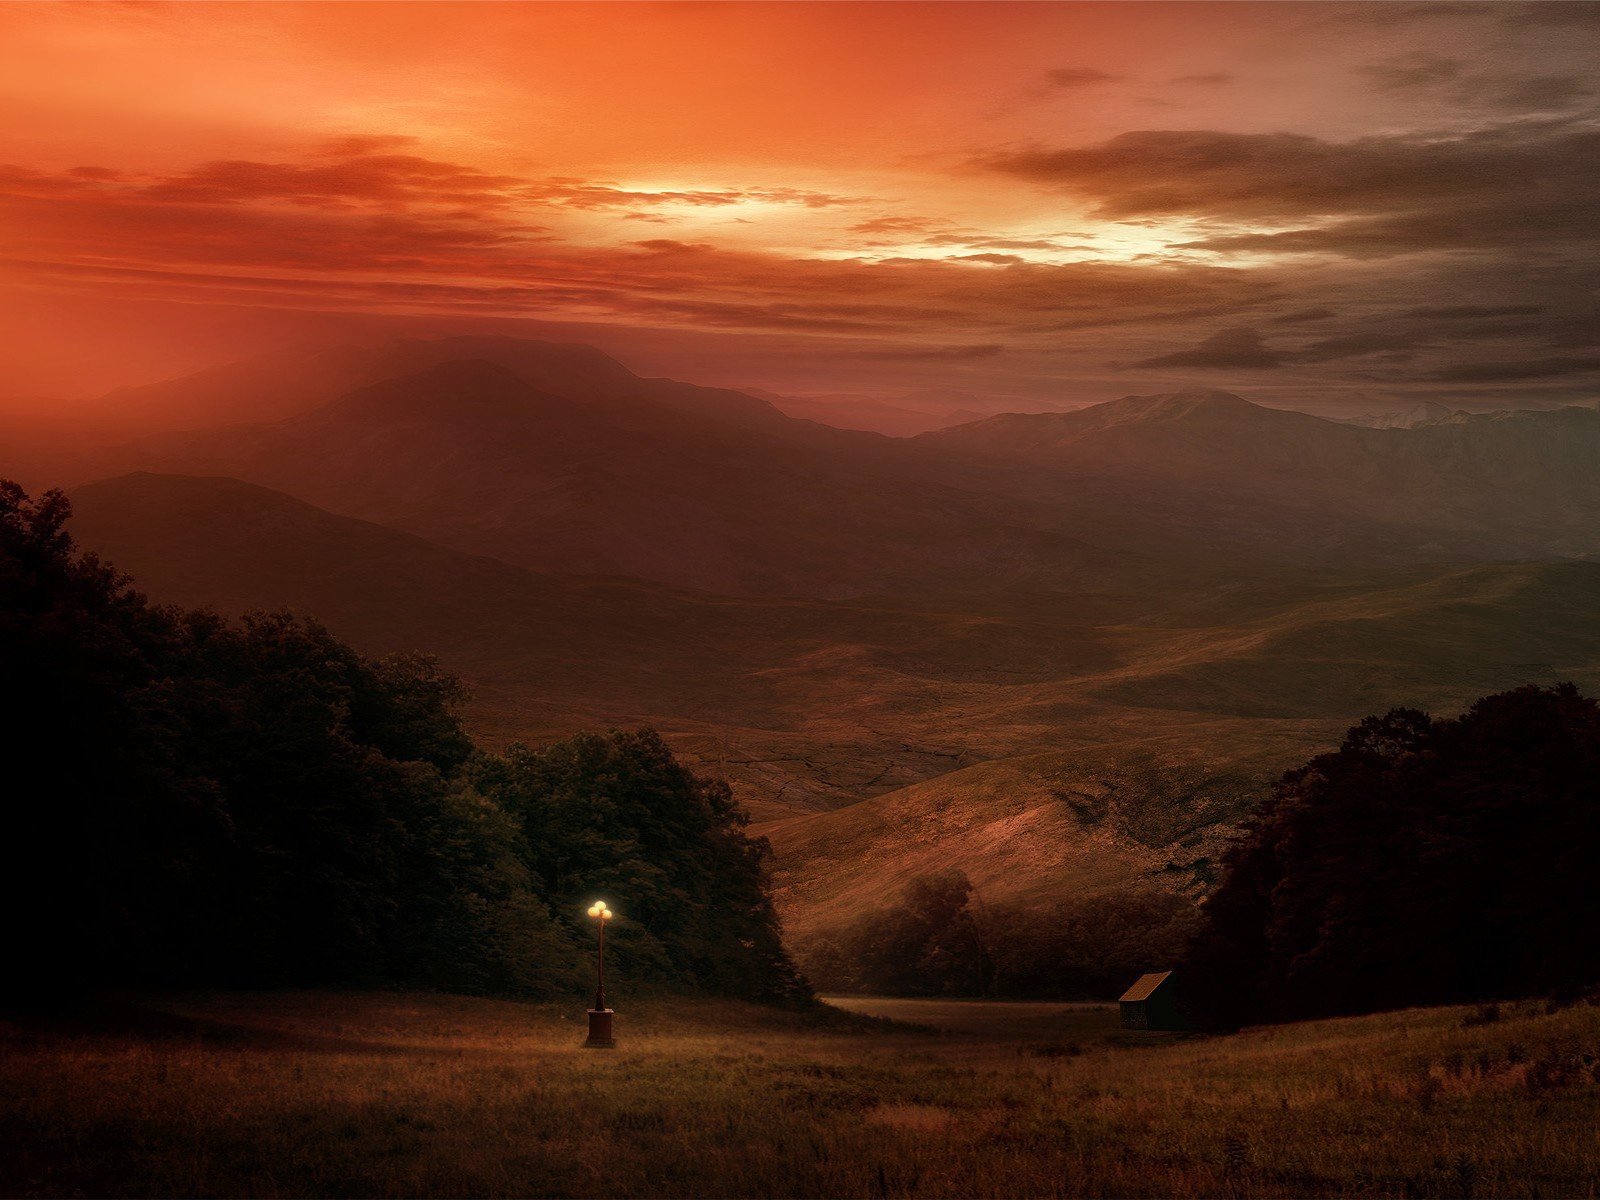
(389, 1095)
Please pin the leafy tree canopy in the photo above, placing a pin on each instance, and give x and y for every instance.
(197, 801)
(1425, 861)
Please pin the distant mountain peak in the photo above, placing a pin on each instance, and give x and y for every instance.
(1408, 417)
(1194, 404)
(541, 363)
(1175, 405)
(459, 389)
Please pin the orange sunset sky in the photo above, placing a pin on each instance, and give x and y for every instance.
(1037, 204)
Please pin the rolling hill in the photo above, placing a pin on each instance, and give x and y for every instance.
(803, 702)
(1045, 743)
(1152, 761)
(1211, 466)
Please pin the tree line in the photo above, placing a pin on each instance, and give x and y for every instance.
(940, 939)
(1425, 861)
(192, 801)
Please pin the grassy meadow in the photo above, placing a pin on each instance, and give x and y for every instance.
(401, 1094)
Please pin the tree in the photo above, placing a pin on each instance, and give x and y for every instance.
(1425, 861)
(928, 944)
(193, 801)
(617, 816)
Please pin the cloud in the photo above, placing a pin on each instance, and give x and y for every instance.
(1077, 77)
(1228, 349)
(1303, 315)
(1356, 345)
(899, 225)
(366, 143)
(1552, 12)
(384, 178)
(1539, 93)
(958, 353)
(359, 175)
(1394, 12)
(1500, 372)
(376, 229)
(1408, 72)
(898, 232)
(1459, 312)
(592, 194)
(1278, 176)
(671, 246)
(1526, 186)
(1424, 72)
(391, 234)
(1209, 79)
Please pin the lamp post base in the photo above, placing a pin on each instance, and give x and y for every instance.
(600, 1029)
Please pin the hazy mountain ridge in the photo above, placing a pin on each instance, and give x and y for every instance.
(272, 387)
(469, 454)
(1492, 486)
(719, 491)
(1403, 418)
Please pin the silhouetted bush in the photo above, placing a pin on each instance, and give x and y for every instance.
(1424, 862)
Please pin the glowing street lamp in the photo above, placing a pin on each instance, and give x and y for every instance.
(600, 1016)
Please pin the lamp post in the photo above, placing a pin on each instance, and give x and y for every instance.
(600, 1016)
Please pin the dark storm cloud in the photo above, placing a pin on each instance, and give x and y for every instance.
(1228, 349)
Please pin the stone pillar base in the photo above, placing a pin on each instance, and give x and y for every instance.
(600, 1029)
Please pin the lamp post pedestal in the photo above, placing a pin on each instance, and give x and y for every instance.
(600, 1029)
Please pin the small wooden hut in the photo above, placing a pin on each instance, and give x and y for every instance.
(1152, 1003)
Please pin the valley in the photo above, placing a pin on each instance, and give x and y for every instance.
(1060, 651)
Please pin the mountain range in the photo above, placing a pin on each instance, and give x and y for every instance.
(1060, 650)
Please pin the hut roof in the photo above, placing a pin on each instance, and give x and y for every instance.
(1145, 986)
